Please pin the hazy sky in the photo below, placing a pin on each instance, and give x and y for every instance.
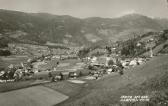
(90, 8)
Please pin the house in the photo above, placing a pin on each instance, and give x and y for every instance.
(94, 59)
(102, 61)
(73, 75)
(138, 44)
(125, 63)
(64, 75)
(2, 73)
(109, 70)
(133, 62)
(140, 61)
(56, 57)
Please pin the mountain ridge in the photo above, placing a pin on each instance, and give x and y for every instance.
(40, 28)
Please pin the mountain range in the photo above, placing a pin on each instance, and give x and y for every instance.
(49, 29)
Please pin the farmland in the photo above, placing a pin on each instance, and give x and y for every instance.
(14, 59)
(33, 96)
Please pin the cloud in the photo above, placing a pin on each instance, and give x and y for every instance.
(127, 12)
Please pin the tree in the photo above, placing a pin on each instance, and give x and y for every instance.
(5, 53)
(80, 74)
(49, 74)
(3, 42)
(83, 53)
(110, 62)
(11, 74)
(129, 48)
(108, 49)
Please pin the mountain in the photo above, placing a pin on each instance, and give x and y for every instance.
(44, 28)
(124, 27)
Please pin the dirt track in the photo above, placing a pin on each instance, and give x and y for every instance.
(33, 96)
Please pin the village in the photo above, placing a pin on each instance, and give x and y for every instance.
(83, 53)
(43, 63)
(64, 73)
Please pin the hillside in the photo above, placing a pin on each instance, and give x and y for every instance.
(149, 79)
(39, 28)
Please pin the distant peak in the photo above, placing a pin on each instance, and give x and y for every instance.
(134, 15)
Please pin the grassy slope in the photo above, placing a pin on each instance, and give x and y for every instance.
(2, 65)
(4, 87)
(10, 86)
(108, 90)
(156, 49)
(65, 87)
(33, 96)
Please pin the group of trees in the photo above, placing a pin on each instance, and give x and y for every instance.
(108, 49)
(3, 44)
(9, 74)
(130, 48)
(5, 53)
(163, 37)
(83, 52)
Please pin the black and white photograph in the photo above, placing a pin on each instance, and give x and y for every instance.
(83, 52)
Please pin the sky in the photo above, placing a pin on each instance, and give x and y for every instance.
(90, 8)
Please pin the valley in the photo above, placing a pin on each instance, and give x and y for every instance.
(60, 60)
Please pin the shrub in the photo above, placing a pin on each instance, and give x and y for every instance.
(110, 62)
(3, 42)
(5, 53)
(83, 53)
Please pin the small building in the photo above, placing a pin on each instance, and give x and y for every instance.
(102, 60)
(94, 59)
(64, 75)
(73, 75)
(133, 62)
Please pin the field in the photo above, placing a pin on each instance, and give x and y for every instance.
(33, 96)
(68, 64)
(17, 59)
(10, 86)
(63, 64)
(65, 87)
(4, 87)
